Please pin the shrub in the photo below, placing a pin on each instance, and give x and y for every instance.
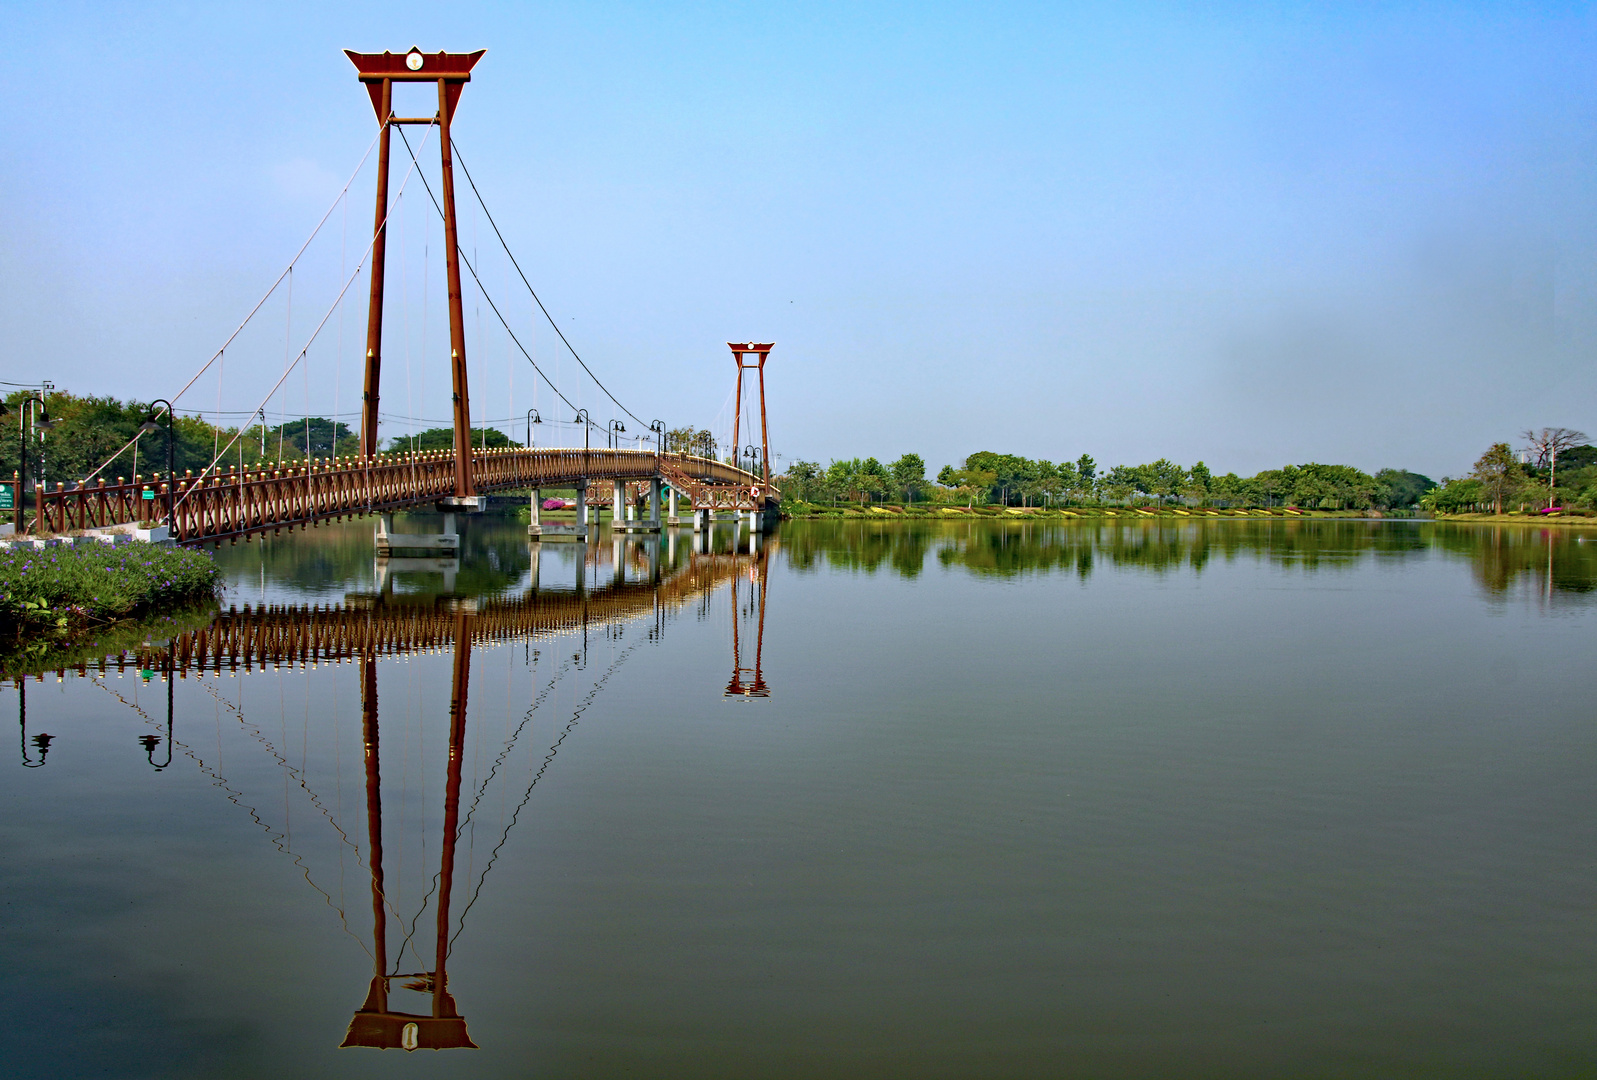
(80, 586)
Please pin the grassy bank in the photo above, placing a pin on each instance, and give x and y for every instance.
(1566, 517)
(941, 511)
(61, 600)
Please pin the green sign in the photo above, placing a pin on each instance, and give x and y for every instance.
(7, 497)
(147, 494)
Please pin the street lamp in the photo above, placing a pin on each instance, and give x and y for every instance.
(31, 406)
(532, 418)
(614, 434)
(582, 418)
(658, 427)
(171, 460)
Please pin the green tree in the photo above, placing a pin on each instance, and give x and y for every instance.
(909, 475)
(326, 437)
(443, 438)
(1499, 474)
(874, 479)
(1397, 488)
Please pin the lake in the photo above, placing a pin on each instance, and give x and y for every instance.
(1222, 798)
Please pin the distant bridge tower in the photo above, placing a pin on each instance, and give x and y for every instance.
(739, 351)
(451, 71)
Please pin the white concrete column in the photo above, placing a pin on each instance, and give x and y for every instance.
(536, 520)
(673, 511)
(654, 502)
(582, 507)
(617, 497)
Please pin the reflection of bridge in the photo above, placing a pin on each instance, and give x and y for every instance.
(245, 639)
(228, 502)
(369, 628)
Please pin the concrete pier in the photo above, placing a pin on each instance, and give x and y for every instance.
(444, 544)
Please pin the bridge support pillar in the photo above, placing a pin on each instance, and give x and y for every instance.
(618, 497)
(582, 509)
(440, 544)
(672, 518)
(535, 515)
(654, 503)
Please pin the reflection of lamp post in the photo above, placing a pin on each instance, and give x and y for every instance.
(150, 742)
(41, 741)
(532, 418)
(614, 434)
(171, 460)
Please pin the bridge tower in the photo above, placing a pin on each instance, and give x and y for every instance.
(739, 351)
(451, 72)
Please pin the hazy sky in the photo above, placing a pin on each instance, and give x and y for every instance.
(1363, 234)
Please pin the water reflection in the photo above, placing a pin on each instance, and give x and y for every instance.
(1554, 561)
(40, 742)
(617, 588)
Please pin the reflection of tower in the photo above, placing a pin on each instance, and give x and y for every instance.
(375, 1024)
(756, 687)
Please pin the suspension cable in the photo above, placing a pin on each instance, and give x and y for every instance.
(267, 296)
(456, 151)
(339, 299)
(502, 320)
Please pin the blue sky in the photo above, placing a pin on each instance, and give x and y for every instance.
(1243, 234)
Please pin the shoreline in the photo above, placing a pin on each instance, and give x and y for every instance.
(897, 512)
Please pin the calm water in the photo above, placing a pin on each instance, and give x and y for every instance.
(1218, 799)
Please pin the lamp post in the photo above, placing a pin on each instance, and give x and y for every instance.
(658, 427)
(171, 460)
(31, 406)
(582, 418)
(532, 418)
(613, 434)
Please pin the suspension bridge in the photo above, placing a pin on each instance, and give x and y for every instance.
(230, 499)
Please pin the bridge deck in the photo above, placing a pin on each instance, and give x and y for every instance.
(233, 504)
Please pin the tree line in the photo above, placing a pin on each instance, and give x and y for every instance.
(84, 433)
(989, 478)
(1555, 468)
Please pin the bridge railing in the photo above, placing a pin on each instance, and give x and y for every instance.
(239, 503)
